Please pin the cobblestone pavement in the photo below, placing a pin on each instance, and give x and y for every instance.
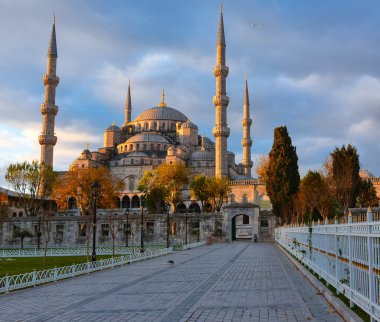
(223, 282)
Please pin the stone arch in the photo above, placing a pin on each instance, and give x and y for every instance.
(181, 207)
(72, 203)
(135, 202)
(195, 208)
(126, 202)
(240, 227)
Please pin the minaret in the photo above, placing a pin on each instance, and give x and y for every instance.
(221, 131)
(49, 110)
(128, 106)
(246, 142)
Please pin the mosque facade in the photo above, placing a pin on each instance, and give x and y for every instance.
(161, 134)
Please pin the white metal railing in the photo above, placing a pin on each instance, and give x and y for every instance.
(192, 245)
(14, 282)
(75, 251)
(347, 256)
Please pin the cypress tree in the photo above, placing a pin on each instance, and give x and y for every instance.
(283, 176)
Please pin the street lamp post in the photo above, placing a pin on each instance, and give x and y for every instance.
(127, 228)
(199, 226)
(95, 193)
(186, 229)
(167, 226)
(142, 249)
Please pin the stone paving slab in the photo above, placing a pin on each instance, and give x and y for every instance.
(224, 282)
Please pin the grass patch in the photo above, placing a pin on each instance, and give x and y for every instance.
(21, 265)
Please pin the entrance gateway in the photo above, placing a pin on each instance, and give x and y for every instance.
(242, 221)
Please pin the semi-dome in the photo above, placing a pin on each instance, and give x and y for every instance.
(188, 125)
(161, 113)
(147, 137)
(202, 155)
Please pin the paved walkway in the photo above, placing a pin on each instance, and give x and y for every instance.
(223, 282)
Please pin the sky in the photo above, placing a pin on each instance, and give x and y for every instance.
(313, 66)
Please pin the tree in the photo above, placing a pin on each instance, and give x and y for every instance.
(31, 181)
(262, 167)
(173, 177)
(200, 190)
(367, 196)
(345, 176)
(317, 193)
(218, 190)
(22, 234)
(153, 190)
(113, 224)
(77, 183)
(299, 207)
(282, 173)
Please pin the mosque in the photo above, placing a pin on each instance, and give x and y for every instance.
(163, 134)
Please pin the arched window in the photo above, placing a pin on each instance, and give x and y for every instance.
(158, 146)
(151, 146)
(163, 126)
(146, 126)
(126, 202)
(137, 146)
(138, 128)
(131, 184)
(144, 147)
(132, 161)
(245, 220)
(135, 202)
(198, 164)
(130, 147)
(181, 208)
(194, 207)
(155, 126)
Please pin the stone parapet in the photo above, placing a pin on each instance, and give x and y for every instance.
(47, 108)
(221, 70)
(47, 139)
(221, 100)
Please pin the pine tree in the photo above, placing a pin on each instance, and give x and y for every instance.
(283, 178)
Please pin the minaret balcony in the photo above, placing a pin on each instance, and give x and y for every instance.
(50, 80)
(47, 139)
(246, 122)
(221, 70)
(248, 164)
(246, 142)
(48, 108)
(221, 100)
(218, 131)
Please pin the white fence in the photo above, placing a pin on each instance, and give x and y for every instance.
(14, 282)
(347, 256)
(192, 245)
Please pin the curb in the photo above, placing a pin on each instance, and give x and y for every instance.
(346, 313)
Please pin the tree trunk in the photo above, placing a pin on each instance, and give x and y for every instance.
(45, 253)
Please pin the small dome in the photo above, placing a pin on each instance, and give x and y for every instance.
(202, 155)
(113, 128)
(85, 155)
(188, 125)
(147, 137)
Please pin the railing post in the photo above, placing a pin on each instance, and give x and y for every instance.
(34, 278)
(6, 283)
(336, 257)
(73, 270)
(350, 251)
(372, 296)
(55, 274)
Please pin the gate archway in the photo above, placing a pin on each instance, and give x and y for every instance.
(241, 227)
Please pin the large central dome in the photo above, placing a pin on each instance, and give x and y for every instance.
(161, 113)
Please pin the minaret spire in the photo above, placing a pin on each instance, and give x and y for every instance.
(221, 100)
(49, 110)
(162, 103)
(128, 106)
(246, 141)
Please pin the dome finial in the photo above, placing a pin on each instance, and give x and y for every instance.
(113, 123)
(54, 18)
(203, 143)
(88, 146)
(162, 103)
